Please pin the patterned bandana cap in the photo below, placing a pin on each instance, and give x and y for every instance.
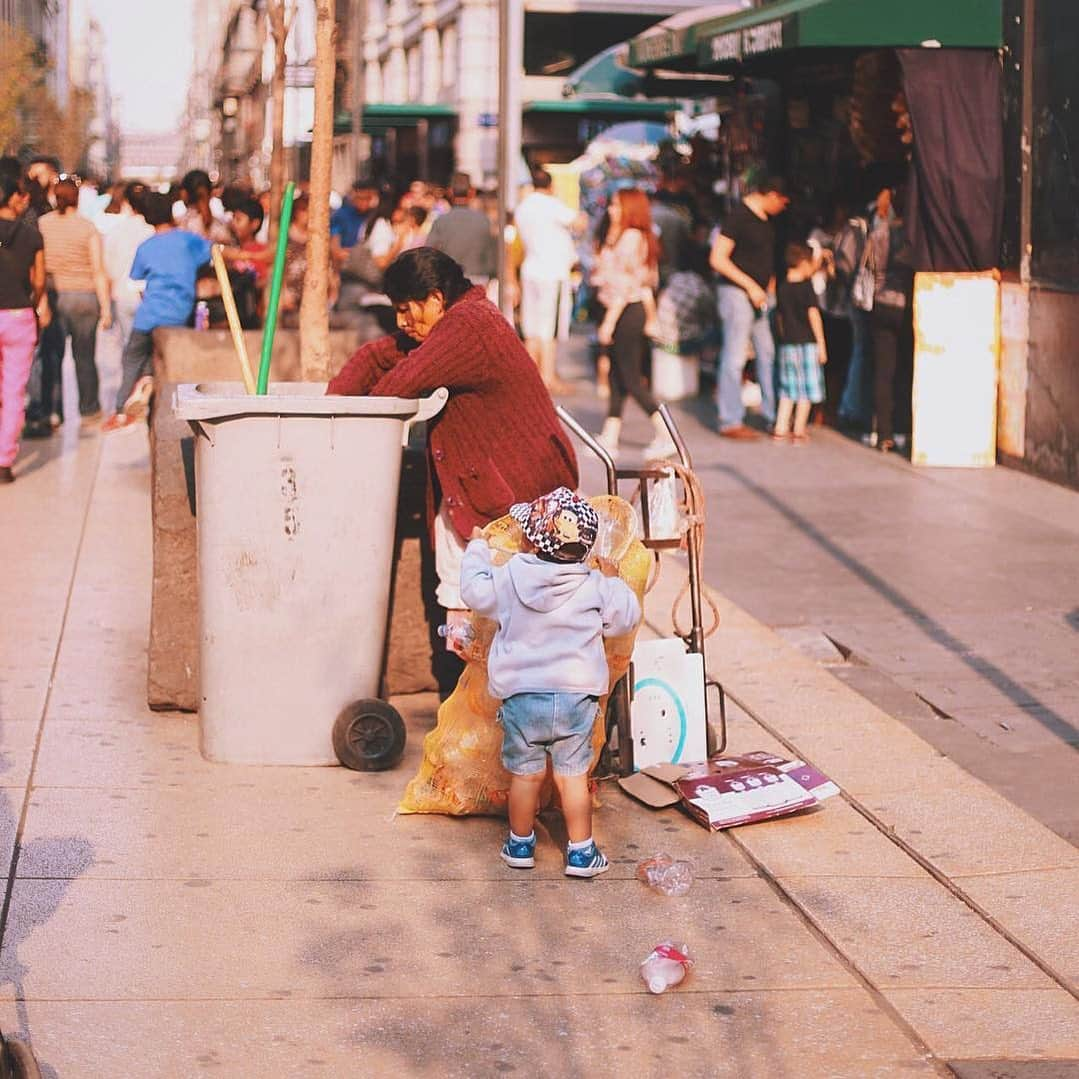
(561, 525)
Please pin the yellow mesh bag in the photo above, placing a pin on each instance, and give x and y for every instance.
(462, 771)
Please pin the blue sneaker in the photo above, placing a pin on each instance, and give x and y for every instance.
(521, 854)
(588, 862)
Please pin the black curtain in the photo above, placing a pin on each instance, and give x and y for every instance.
(956, 207)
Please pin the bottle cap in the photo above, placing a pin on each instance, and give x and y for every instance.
(657, 984)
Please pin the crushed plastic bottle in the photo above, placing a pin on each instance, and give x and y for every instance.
(666, 966)
(667, 875)
(459, 637)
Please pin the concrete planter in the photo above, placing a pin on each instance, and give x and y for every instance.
(172, 670)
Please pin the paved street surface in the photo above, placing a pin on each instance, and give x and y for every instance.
(170, 917)
(954, 593)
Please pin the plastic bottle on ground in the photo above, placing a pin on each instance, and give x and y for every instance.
(665, 874)
(666, 966)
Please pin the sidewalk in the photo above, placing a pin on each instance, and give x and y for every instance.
(943, 595)
(168, 917)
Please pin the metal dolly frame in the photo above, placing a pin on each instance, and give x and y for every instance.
(618, 704)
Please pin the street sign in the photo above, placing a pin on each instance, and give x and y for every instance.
(488, 119)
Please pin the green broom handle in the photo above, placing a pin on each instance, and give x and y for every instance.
(275, 287)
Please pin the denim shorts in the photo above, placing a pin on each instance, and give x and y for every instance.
(537, 724)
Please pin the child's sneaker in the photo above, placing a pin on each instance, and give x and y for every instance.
(519, 853)
(588, 862)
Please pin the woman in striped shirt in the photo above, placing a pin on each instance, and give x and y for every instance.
(74, 262)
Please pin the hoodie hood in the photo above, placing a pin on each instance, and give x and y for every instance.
(545, 586)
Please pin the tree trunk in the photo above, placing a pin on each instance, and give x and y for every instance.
(314, 307)
(280, 24)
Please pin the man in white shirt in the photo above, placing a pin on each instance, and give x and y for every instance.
(546, 227)
(120, 244)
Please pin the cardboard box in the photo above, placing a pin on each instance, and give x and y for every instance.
(728, 791)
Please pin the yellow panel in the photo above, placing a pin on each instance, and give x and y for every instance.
(956, 356)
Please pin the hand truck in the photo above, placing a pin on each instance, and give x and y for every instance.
(620, 704)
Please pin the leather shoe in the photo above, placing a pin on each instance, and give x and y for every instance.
(741, 433)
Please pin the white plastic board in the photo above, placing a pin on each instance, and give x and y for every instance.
(667, 716)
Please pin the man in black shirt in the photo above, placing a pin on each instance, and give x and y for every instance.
(744, 257)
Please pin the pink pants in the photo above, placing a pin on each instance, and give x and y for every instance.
(18, 337)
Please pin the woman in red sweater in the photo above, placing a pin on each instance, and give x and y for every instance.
(498, 440)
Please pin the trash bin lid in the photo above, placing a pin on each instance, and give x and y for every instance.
(210, 401)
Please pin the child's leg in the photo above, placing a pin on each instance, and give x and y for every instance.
(524, 802)
(783, 416)
(801, 416)
(576, 806)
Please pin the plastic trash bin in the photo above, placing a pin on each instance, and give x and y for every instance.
(296, 512)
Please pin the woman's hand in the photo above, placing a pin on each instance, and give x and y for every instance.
(605, 334)
(106, 318)
(477, 533)
(757, 296)
(606, 567)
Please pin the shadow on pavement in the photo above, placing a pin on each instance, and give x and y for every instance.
(922, 620)
(22, 915)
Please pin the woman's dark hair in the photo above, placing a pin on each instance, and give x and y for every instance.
(415, 274)
(195, 184)
(157, 209)
(135, 194)
(67, 195)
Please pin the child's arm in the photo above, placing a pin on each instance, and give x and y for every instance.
(477, 579)
(620, 610)
(816, 324)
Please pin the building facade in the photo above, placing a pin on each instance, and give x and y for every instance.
(431, 78)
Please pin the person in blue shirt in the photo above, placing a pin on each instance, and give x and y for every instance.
(168, 263)
(346, 224)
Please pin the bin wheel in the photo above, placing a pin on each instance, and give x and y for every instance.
(19, 1061)
(369, 736)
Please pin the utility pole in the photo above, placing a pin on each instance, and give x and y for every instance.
(510, 69)
(358, 28)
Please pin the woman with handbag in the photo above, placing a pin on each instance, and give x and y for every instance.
(22, 284)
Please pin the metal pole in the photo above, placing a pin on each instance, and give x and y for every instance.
(1026, 182)
(358, 147)
(510, 69)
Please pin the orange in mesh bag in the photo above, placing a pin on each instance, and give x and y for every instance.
(462, 771)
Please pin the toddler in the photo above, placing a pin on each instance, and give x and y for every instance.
(547, 663)
(802, 352)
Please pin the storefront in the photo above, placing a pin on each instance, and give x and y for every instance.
(837, 93)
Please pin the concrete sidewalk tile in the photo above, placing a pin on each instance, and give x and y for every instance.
(223, 939)
(1040, 908)
(833, 841)
(834, 1033)
(912, 933)
(321, 824)
(17, 741)
(1012, 1024)
(23, 691)
(963, 828)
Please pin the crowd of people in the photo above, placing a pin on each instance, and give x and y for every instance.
(105, 267)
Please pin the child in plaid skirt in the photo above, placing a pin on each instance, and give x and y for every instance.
(802, 351)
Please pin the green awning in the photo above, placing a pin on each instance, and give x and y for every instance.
(835, 24)
(380, 117)
(677, 36)
(604, 106)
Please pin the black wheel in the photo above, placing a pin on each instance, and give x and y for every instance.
(369, 736)
(18, 1061)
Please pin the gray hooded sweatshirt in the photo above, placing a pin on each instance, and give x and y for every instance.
(552, 618)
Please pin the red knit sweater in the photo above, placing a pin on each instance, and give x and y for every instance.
(498, 440)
